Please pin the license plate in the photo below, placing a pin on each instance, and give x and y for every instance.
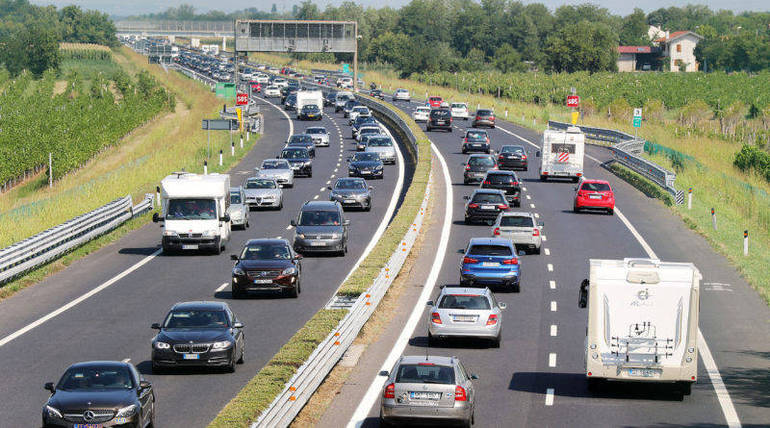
(439, 122)
(487, 207)
(350, 201)
(421, 395)
(476, 145)
(317, 244)
(595, 196)
(642, 372)
(490, 264)
(191, 356)
(263, 281)
(464, 318)
(190, 247)
(366, 172)
(87, 425)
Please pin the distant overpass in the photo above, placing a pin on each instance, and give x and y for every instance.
(198, 29)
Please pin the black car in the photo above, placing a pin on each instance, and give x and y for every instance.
(505, 181)
(310, 112)
(299, 159)
(485, 205)
(365, 164)
(203, 334)
(290, 103)
(361, 121)
(476, 168)
(269, 265)
(302, 140)
(100, 393)
(476, 140)
(351, 193)
(321, 227)
(330, 98)
(440, 118)
(377, 93)
(349, 106)
(512, 157)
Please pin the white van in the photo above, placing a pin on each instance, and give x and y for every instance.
(562, 154)
(642, 321)
(194, 212)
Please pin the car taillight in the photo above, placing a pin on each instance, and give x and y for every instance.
(467, 167)
(491, 118)
(487, 182)
(515, 183)
(500, 157)
(536, 232)
(473, 205)
(497, 231)
(511, 262)
(502, 207)
(492, 320)
(478, 117)
(435, 318)
(390, 391)
(469, 260)
(578, 174)
(523, 157)
(460, 393)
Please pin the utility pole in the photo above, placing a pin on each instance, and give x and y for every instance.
(355, 59)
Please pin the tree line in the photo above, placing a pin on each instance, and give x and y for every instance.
(30, 35)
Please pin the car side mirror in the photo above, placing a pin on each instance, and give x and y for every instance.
(429, 303)
(537, 153)
(467, 198)
(541, 224)
(237, 324)
(502, 305)
(583, 296)
(293, 223)
(346, 223)
(298, 257)
(461, 251)
(144, 384)
(49, 387)
(234, 257)
(329, 187)
(225, 218)
(474, 376)
(155, 326)
(156, 218)
(384, 373)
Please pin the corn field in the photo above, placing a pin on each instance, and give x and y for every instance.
(81, 51)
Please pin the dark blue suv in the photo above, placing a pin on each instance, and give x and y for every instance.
(490, 261)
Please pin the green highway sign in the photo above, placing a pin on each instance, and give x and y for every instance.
(637, 118)
(225, 90)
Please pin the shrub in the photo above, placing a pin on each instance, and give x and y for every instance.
(654, 110)
(619, 109)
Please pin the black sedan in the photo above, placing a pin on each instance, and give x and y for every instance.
(507, 181)
(100, 394)
(485, 205)
(299, 159)
(351, 193)
(267, 265)
(512, 157)
(310, 112)
(377, 93)
(203, 334)
(302, 140)
(365, 164)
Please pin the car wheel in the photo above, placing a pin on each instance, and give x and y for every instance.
(536, 250)
(240, 359)
(464, 151)
(294, 292)
(685, 388)
(497, 340)
(575, 208)
(543, 177)
(368, 207)
(490, 222)
(467, 220)
(517, 288)
(517, 204)
(237, 293)
(611, 211)
(230, 368)
(432, 340)
(493, 126)
(310, 174)
(156, 369)
(450, 129)
(218, 249)
(595, 384)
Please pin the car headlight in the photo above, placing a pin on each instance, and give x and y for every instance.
(336, 235)
(289, 271)
(169, 233)
(222, 345)
(378, 168)
(209, 233)
(162, 345)
(238, 272)
(301, 235)
(126, 412)
(52, 411)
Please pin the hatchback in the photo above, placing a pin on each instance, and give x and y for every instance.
(440, 118)
(466, 312)
(521, 228)
(421, 114)
(459, 110)
(485, 205)
(476, 167)
(512, 157)
(321, 227)
(594, 194)
(490, 261)
(435, 102)
(476, 140)
(238, 209)
(507, 181)
(484, 117)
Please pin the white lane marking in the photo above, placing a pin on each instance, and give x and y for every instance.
(528, 197)
(333, 175)
(221, 287)
(291, 122)
(553, 307)
(552, 359)
(335, 170)
(552, 284)
(328, 181)
(728, 409)
(279, 237)
(338, 164)
(547, 252)
(545, 238)
(549, 396)
(532, 205)
(126, 360)
(524, 189)
(324, 188)
(40, 321)
(554, 330)
(537, 215)
(289, 227)
(315, 197)
(550, 267)
(373, 393)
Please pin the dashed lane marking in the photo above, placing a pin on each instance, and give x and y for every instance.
(554, 330)
(553, 306)
(315, 197)
(532, 205)
(547, 252)
(550, 267)
(528, 197)
(549, 397)
(221, 287)
(552, 359)
(552, 284)
(288, 227)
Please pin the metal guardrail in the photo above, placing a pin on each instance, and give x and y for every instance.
(54, 242)
(626, 150)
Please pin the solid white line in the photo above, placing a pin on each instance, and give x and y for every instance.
(552, 359)
(222, 287)
(553, 307)
(291, 122)
(372, 394)
(550, 267)
(547, 252)
(78, 300)
(632, 229)
(549, 397)
(552, 284)
(554, 330)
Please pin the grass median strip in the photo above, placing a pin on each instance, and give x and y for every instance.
(641, 183)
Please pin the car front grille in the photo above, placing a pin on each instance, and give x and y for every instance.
(263, 273)
(94, 416)
(319, 236)
(195, 348)
(190, 235)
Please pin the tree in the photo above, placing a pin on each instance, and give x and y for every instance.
(633, 30)
(508, 60)
(308, 10)
(584, 45)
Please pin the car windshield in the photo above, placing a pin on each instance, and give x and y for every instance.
(484, 113)
(95, 378)
(476, 135)
(490, 250)
(500, 178)
(301, 139)
(481, 161)
(595, 187)
(295, 154)
(196, 319)
(360, 109)
(516, 221)
(435, 99)
(275, 164)
(422, 110)
(440, 113)
(370, 131)
(310, 107)
(458, 105)
(488, 198)
(270, 251)
(191, 209)
(380, 142)
(235, 198)
(464, 301)
(319, 218)
(425, 373)
(513, 149)
(350, 184)
(366, 157)
(260, 184)
(315, 131)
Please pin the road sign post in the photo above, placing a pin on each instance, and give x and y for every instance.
(573, 102)
(637, 119)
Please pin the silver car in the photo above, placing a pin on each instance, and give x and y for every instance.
(263, 193)
(428, 388)
(383, 146)
(401, 95)
(466, 312)
(238, 209)
(356, 111)
(278, 169)
(320, 135)
(352, 192)
(522, 228)
(368, 130)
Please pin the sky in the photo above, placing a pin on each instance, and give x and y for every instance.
(618, 7)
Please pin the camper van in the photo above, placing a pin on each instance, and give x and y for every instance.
(562, 153)
(194, 212)
(642, 322)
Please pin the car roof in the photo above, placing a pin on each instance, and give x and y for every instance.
(464, 290)
(102, 363)
(236, 189)
(259, 241)
(516, 214)
(495, 191)
(511, 145)
(316, 127)
(320, 205)
(594, 180)
(481, 155)
(200, 305)
(501, 172)
(490, 241)
(350, 178)
(435, 359)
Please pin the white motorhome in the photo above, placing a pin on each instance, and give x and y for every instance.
(561, 155)
(642, 321)
(194, 211)
(307, 97)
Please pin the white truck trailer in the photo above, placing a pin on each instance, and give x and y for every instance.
(561, 155)
(194, 212)
(307, 97)
(642, 322)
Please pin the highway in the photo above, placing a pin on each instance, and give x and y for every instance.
(102, 306)
(536, 378)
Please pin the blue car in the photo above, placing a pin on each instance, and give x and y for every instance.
(490, 261)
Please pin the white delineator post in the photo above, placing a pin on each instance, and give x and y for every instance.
(50, 169)
(745, 242)
(689, 199)
(220, 157)
(714, 219)
(232, 148)
(205, 168)
(241, 140)
(157, 194)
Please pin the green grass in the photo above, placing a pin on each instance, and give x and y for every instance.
(88, 68)
(641, 183)
(262, 389)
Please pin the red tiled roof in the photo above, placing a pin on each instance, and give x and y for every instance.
(673, 35)
(634, 49)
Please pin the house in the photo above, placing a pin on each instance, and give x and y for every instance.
(638, 58)
(678, 49)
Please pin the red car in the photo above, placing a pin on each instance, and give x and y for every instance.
(594, 194)
(435, 102)
(255, 86)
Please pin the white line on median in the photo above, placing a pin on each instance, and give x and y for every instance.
(550, 267)
(552, 359)
(532, 205)
(553, 307)
(221, 287)
(549, 397)
(547, 252)
(554, 330)
(552, 284)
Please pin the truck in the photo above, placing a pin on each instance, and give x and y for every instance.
(194, 212)
(642, 322)
(561, 154)
(307, 97)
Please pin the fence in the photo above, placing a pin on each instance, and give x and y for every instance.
(56, 241)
